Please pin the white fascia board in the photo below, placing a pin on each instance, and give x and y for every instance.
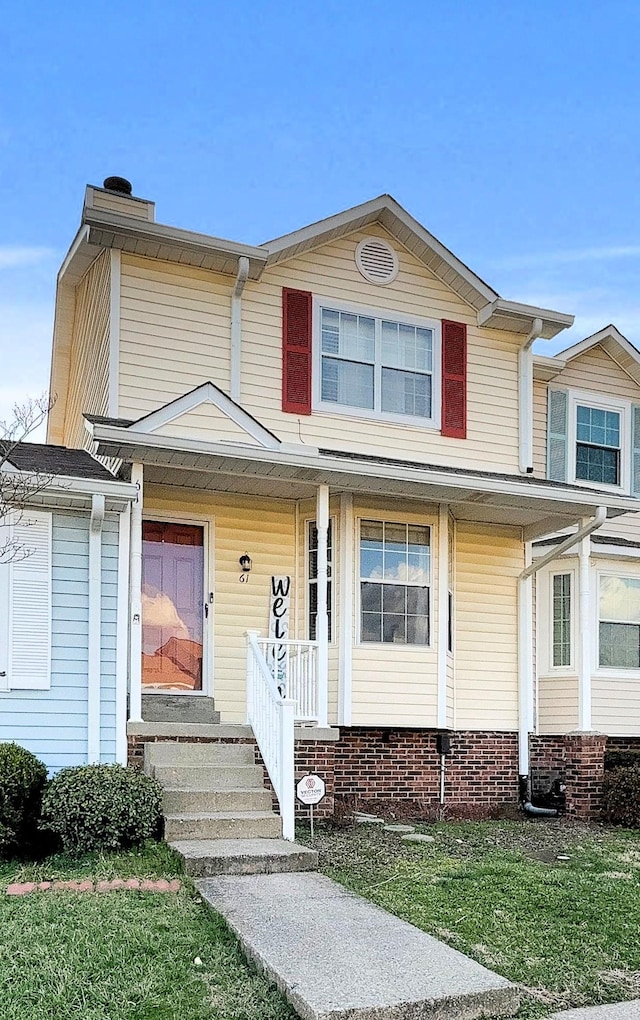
(208, 393)
(546, 368)
(552, 322)
(77, 487)
(609, 332)
(323, 466)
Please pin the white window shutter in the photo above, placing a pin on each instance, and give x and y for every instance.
(635, 450)
(557, 435)
(29, 665)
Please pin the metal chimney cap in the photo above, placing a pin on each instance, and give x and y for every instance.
(119, 184)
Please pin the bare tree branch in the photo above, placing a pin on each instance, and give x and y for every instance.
(18, 488)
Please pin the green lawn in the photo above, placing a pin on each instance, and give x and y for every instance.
(122, 955)
(568, 931)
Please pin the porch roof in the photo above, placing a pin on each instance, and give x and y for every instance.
(294, 472)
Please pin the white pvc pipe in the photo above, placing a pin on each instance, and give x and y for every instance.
(94, 673)
(236, 326)
(525, 398)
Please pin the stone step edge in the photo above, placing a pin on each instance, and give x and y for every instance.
(221, 731)
(221, 816)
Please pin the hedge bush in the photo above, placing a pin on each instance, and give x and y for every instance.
(23, 778)
(621, 759)
(621, 796)
(102, 807)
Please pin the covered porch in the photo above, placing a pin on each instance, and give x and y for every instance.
(283, 613)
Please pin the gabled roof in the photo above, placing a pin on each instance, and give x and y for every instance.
(493, 311)
(612, 341)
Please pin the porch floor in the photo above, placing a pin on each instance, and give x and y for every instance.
(335, 955)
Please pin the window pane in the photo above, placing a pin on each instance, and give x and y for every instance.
(406, 347)
(394, 598)
(598, 427)
(394, 628)
(350, 336)
(620, 645)
(620, 599)
(597, 464)
(562, 620)
(347, 383)
(395, 552)
(371, 545)
(371, 597)
(406, 393)
(371, 627)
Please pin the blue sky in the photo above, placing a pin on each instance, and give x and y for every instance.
(509, 129)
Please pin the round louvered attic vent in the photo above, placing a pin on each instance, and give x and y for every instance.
(377, 260)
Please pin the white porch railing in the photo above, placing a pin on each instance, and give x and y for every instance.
(272, 719)
(294, 667)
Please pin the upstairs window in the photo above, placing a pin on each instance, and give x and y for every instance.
(378, 366)
(597, 445)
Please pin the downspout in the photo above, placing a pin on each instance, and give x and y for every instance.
(525, 398)
(525, 647)
(236, 325)
(94, 671)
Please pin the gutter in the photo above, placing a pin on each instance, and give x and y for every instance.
(236, 325)
(525, 644)
(525, 397)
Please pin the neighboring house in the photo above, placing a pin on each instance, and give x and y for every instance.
(63, 610)
(336, 452)
(587, 432)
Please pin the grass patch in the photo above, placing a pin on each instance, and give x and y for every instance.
(566, 930)
(122, 955)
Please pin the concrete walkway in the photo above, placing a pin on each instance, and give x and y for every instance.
(336, 956)
(617, 1011)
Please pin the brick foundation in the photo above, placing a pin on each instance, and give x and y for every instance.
(397, 771)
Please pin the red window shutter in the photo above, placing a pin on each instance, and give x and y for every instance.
(296, 351)
(454, 379)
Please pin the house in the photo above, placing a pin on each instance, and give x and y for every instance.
(345, 521)
(64, 607)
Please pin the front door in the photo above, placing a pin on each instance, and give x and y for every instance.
(172, 606)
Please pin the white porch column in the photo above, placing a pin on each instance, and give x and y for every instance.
(347, 539)
(122, 632)
(322, 621)
(584, 631)
(443, 612)
(135, 661)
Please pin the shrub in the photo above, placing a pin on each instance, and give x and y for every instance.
(22, 780)
(621, 796)
(102, 807)
(620, 759)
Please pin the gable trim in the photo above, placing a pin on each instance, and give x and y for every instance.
(208, 393)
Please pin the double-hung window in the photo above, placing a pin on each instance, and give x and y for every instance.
(312, 578)
(377, 364)
(619, 622)
(598, 433)
(395, 578)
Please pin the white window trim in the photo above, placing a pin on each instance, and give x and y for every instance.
(333, 521)
(391, 518)
(546, 616)
(407, 420)
(623, 408)
(618, 672)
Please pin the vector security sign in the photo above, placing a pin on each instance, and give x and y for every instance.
(311, 789)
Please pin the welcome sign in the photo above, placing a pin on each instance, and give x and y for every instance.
(278, 655)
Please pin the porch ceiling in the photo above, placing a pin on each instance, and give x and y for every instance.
(482, 497)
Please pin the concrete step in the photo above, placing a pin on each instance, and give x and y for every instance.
(203, 857)
(171, 752)
(179, 802)
(335, 955)
(224, 825)
(185, 708)
(210, 777)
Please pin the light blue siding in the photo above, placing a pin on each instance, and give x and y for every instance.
(53, 723)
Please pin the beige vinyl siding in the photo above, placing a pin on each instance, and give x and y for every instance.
(175, 334)
(615, 702)
(266, 530)
(175, 330)
(141, 210)
(207, 423)
(395, 684)
(488, 561)
(330, 273)
(557, 704)
(89, 360)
